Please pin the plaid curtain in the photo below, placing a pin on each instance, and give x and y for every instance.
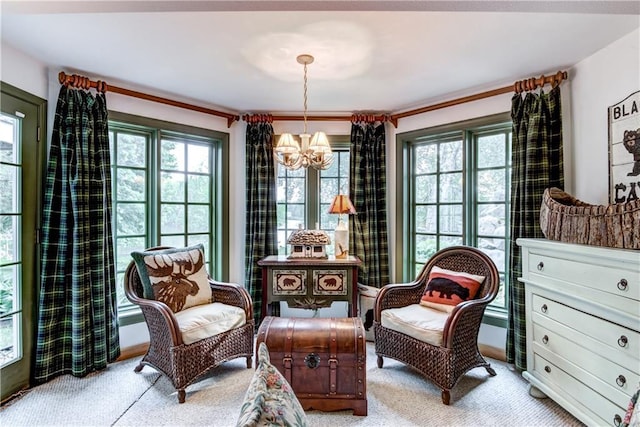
(536, 164)
(261, 224)
(368, 190)
(78, 318)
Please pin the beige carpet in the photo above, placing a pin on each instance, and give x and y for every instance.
(397, 396)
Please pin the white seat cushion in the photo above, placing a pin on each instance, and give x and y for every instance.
(420, 322)
(203, 321)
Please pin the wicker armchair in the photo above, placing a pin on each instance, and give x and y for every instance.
(184, 363)
(458, 353)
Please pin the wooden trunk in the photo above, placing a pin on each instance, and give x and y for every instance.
(324, 360)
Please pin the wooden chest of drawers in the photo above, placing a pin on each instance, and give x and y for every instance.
(583, 326)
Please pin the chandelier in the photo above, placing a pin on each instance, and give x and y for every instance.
(315, 152)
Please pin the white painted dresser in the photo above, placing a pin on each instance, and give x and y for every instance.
(583, 327)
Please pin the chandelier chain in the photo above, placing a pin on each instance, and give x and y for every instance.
(305, 97)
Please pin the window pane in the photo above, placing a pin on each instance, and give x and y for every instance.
(426, 218)
(8, 289)
(426, 189)
(172, 155)
(491, 150)
(491, 185)
(426, 158)
(451, 187)
(426, 246)
(8, 136)
(451, 219)
(198, 220)
(172, 219)
(130, 219)
(198, 156)
(131, 150)
(10, 348)
(492, 220)
(295, 216)
(173, 241)
(446, 241)
(9, 238)
(328, 190)
(172, 187)
(9, 183)
(451, 156)
(124, 247)
(196, 239)
(199, 188)
(130, 184)
(495, 248)
(295, 190)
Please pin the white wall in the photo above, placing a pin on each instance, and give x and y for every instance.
(595, 83)
(599, 81)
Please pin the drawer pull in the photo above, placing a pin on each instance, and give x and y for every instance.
(621, 380)
(547, 369)
(623, 341)
(545, 339)
(544, 310)
(622, 284)
(540, 266)
(617, 420)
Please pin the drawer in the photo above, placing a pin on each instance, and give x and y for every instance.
(615, 382)
(330, 282)
(572, 389)
(620, 344)
(289, 282)
(614, 281)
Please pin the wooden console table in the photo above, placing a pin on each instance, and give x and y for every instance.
(309, 283)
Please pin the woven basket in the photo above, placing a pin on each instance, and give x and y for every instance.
(567, 219)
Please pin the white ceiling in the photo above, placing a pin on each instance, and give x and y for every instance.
(383, 56)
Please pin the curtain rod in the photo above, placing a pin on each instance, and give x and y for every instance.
(350, 118)
(518, 87)
(84, 83)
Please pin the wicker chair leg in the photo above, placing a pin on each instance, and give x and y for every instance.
(380, 361)
(138, 368)
(445, 397)
(490, 370)
(249, 362)
(181, 395)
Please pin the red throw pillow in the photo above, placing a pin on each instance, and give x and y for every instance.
(450, 287)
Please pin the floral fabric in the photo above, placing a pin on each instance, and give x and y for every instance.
(270, 400)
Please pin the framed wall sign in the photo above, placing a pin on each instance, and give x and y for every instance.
(624, 150)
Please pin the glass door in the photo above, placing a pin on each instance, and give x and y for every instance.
(21, 117)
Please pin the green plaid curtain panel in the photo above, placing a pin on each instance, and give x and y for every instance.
(78, 320)
(368, 190)
(536, 164)
(261, 226)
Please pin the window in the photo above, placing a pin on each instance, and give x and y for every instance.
(304, 195)
(169, 189)
(456, 187)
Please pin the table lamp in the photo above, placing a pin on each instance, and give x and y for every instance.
(341, 205)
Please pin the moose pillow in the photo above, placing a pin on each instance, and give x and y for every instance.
(177, 277)
(446, 287)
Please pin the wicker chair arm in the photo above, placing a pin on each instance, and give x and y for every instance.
(464, 316)
(397, 295)
(159, 318)
(232, 294)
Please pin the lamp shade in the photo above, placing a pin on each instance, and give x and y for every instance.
(286, 144)
(320, 143)
(342, 205)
